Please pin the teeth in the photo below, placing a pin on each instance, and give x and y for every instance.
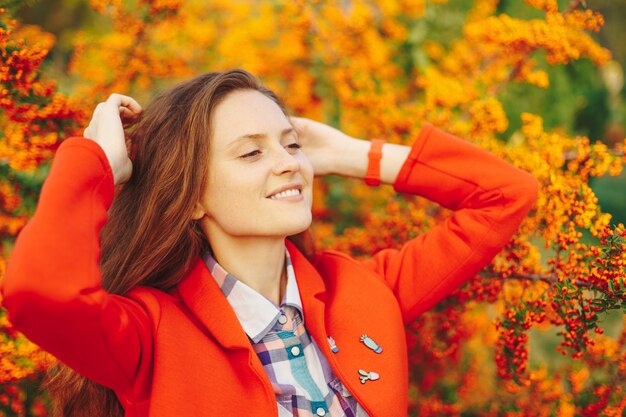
(287, 193)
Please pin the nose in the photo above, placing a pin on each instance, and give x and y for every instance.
(284, 162)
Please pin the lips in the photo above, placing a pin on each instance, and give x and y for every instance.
(288, 190)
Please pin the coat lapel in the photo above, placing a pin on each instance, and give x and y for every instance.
(200, 292)
(314, 296)
(358, 303)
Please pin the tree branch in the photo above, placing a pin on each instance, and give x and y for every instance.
(573, 4)
(537, 277)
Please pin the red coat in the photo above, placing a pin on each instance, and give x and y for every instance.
(185, 353)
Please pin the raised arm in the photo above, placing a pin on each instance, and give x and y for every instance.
(490, 198)
(52, 287)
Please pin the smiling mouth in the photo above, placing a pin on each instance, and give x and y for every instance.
(292, 192)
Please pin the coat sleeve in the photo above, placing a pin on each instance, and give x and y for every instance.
(52, 286)
(490, 199)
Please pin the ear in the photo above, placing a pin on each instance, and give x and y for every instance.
(198, 212)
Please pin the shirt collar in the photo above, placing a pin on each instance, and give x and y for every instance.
(255, 312)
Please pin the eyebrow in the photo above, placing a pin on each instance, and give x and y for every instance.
(259, 136)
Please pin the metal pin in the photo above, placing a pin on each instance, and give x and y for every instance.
(368, 376)
(332, 344)
(371, 344)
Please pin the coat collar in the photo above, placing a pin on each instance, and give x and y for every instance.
(256, 313)
(202, 295)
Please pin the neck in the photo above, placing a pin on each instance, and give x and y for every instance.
(257, 262)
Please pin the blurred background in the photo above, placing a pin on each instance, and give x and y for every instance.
(348, 80)
(581, 99)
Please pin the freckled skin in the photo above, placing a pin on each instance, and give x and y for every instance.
(243, 173)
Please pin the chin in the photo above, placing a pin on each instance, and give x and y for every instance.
(301, 227)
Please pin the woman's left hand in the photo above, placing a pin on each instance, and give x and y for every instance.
(322, 144)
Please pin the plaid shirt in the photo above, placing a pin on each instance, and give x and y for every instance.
(302, 378)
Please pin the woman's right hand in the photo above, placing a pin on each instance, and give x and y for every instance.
(106, 128)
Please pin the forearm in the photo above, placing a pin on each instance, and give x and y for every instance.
(52, 287)
(353, 160)
(60, 244)
(490, 198)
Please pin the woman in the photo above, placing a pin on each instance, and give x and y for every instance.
(201, 296)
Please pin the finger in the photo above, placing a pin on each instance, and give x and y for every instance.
(97, 110)
(94, 119)
(295, 122)
(126, 113)
(125, 101)
(87, 133)
(299, 124)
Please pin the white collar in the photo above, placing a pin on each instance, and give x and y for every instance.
(256, 313)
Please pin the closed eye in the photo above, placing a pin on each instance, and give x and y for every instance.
(251, 154)
(256, 152)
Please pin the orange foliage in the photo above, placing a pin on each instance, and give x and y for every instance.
(367, 68)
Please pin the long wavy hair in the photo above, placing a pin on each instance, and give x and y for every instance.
(169, 147)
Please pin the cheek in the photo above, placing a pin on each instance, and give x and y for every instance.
(223, 194)
(236, 185)
(228, 195)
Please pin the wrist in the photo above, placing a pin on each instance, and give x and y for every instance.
(375, 154)
(352, 159)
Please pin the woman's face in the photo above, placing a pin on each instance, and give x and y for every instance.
(260, 183)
